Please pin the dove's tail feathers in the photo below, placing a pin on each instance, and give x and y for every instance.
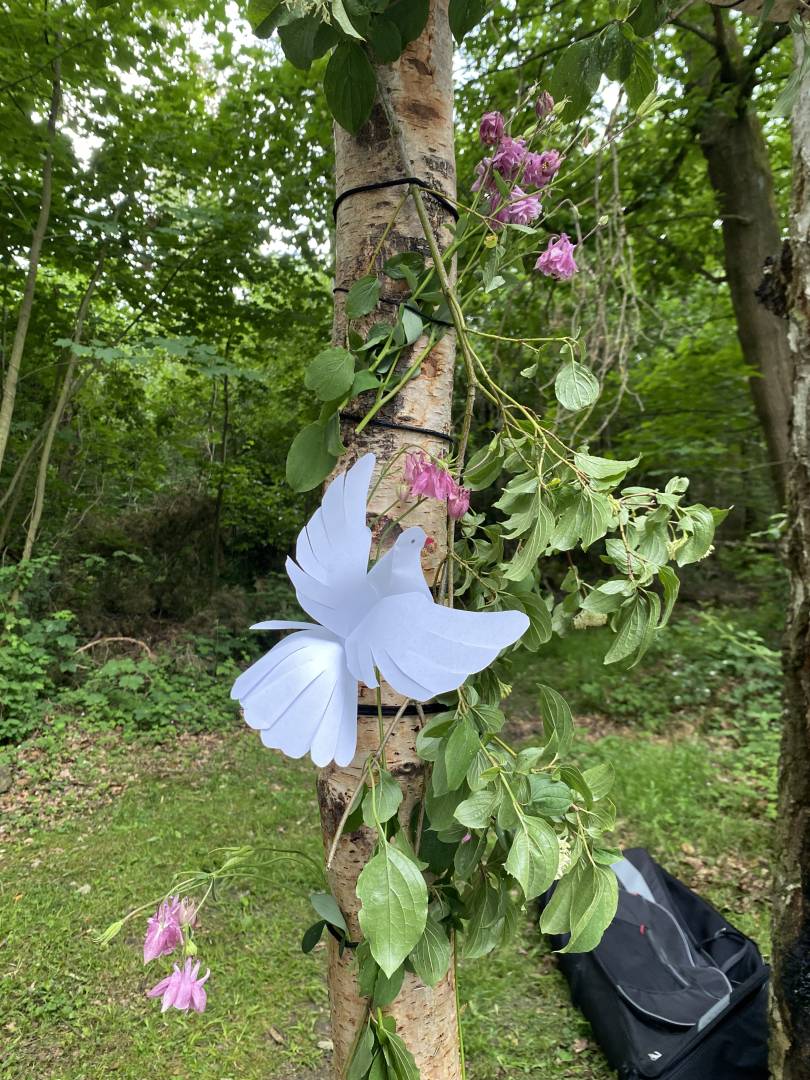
(302, 697)
(422, 649)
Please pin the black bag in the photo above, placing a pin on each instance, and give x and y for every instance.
(672, 991)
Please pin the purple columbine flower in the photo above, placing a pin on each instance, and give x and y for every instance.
(491, 128)
(540, 169)
(458, 503)
(164, 930)
(544, 105)
(182, 989)
(557, 260)
(483, 177)
(521, 209)
(509, 157)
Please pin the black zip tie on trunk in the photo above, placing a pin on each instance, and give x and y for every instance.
(395, 303)
(401, 182)
(392, 710)
(374, 422)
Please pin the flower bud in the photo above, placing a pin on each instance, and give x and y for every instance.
(544, 106)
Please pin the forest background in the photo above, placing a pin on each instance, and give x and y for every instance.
(182, 286)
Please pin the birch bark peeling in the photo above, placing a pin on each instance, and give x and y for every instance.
(790, 979)
(419, 88)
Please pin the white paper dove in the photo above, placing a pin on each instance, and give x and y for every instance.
(302, 695)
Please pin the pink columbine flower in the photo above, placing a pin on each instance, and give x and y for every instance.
(521, 209)
(491, 128)
(544, 105)
(540, 169)
(425, 477)
(182, 989)
(164, 930)
(458, 503)
(509, 158)
(557, 260)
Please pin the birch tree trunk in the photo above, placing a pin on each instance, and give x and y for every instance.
(790, 1006)
(419, 89)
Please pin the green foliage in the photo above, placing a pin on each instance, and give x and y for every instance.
(36, 652)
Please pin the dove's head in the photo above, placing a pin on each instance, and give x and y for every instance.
(406, 561)
(411, 539)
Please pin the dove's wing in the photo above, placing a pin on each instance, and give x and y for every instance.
(301, 696)
(331, 553)
(423, 649)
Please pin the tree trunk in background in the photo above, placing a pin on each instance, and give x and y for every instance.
(27, 303)
(740, 174)
(419, 87)
(790, 1007)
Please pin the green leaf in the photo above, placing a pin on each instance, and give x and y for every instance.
(576, 386)
(263, 16)
(410, 17)
(608, 597)
(411, 323)
(431, 955)
(328, 909)
(379, 1068)
(468, 855)
(484, 467)
(385, 39)
(475, 812)
(551, 798)
(671, 586)
(593, 906)
(363, 296)
(301, 40)
(698, 524)
(576, 76)
(399, 1058)
(556, 916)
(406, 266)
(309, 461)
(534, 856)
(312, 936)
(363, 1055)
(606, 469)
(341, 17)
(464, 15)
(363, 381)
(630, 627)
(386, 798)
(462, 746)
(534, 545)
(372, 981)
(648, 16)
(330, 374)
(557, 720)
(350, 86)
(393, 896)
(599, 779)
(485, 927)
(642, 80)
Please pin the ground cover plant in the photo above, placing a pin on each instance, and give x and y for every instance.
(141, 808)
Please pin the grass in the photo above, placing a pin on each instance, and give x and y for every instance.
(72, 1011)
